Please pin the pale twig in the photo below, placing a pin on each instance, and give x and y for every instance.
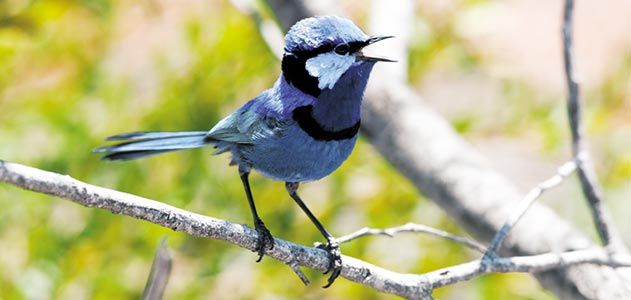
(496, 243)
(410, 286)
(525, 264)
(411, 227)
(586, 174)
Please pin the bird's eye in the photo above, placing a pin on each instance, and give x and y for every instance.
(342, 49)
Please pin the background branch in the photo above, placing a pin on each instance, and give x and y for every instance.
(445, 168)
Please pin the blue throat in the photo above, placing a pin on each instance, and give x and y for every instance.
(335, 113)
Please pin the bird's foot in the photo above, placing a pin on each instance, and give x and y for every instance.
(265, 239)
(335, 260)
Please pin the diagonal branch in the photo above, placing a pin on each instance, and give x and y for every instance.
(411, 286)
(586, 174)
(496, 243)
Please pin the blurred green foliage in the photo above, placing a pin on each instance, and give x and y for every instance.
(74, 72)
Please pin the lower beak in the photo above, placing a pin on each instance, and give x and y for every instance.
(372, 40)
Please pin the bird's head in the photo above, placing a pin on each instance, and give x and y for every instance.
(319, 50)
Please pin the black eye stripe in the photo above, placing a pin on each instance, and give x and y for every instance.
(306, 54)
(356, 46)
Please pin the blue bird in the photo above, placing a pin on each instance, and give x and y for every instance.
(301, 129)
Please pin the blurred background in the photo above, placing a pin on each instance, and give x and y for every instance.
(74, 72)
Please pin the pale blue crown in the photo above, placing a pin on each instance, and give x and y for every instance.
(311, 33)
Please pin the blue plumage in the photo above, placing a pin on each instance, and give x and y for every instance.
(301, 129)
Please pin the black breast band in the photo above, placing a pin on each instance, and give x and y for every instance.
(305, 119)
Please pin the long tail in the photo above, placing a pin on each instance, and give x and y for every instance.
(134, 145)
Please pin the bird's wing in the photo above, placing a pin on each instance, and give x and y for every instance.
(245, 126)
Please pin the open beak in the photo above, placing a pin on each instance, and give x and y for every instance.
(369, 41)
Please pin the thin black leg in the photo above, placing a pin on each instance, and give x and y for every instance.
(265, 238)
(335, 260)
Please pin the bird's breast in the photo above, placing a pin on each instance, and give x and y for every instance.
(296, 156)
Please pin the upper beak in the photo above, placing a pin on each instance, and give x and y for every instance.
(372, 40)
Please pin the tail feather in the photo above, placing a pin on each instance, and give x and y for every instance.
(129, 155)
(136, 145)
(145, 135)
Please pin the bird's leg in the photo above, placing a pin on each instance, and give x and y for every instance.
(332, 247)
(265, 238)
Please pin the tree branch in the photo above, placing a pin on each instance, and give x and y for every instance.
(202, 226)
(586, 174)
(526, 264)
(406, 285)
(411, 227)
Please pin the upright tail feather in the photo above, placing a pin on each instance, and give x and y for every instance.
(134, 145)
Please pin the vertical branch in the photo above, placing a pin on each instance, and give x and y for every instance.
(589, 183)
(573, 100)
